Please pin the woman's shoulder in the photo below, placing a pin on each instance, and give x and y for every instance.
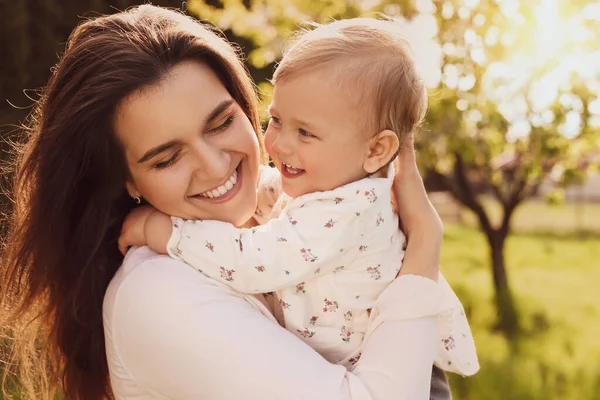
(150, 280)
(143, 263)
(145, 273)
(155, 304)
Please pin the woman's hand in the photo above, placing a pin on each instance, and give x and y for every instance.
(419, 220)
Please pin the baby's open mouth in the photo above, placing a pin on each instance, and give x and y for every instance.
(291, 170)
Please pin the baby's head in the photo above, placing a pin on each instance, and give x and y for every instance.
(346, 94)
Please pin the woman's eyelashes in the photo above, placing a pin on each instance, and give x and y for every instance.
(226, 124)
(169, 162)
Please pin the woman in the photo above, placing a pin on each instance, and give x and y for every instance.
(149, 104)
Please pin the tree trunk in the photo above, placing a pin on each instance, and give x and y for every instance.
(462, 190)
(508, 321)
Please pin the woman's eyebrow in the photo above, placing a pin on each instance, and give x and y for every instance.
(218, 110)
(153, 152)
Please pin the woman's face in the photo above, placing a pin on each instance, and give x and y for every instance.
(191, 150)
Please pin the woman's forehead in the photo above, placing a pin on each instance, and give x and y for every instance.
(177, 105)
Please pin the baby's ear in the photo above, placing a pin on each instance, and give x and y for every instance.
(382, 148)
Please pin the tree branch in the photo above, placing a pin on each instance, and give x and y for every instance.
(498, 193)
(514, 199)
(465, 193)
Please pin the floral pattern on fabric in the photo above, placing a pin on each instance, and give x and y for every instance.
(327, 256)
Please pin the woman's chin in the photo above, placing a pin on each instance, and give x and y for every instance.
(243, 219)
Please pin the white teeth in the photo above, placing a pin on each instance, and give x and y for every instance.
(292, 170)
(224, 188)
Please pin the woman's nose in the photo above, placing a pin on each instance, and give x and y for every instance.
(211, 162)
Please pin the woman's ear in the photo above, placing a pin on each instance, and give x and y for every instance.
(132, 190)
(382, 148)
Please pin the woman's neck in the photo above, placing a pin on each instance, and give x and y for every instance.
(249, 224)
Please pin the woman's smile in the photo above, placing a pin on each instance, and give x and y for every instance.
(224, 192)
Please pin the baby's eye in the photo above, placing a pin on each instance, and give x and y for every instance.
(304, 133)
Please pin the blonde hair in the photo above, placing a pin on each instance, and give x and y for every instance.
(371, 58)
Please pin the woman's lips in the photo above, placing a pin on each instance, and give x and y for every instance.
(230, 193)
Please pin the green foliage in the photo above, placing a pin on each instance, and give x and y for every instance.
(556, 197)
(495, 122)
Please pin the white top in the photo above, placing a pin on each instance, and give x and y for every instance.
(328, 256)
(173, 333)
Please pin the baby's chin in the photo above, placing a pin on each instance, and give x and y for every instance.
(295, 192)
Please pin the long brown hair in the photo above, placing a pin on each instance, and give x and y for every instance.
(69, 192)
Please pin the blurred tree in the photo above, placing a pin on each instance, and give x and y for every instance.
(520, 85)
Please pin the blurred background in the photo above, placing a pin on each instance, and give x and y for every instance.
(510, 151)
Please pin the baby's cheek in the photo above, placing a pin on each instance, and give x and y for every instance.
(269, 139)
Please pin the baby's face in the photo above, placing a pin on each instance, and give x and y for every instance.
(315, 135)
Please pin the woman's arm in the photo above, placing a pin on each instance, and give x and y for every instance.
(184, 336)
(420, 222)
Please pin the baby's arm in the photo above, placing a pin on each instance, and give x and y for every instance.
(133, 232)
(298, 245)
(157, 231)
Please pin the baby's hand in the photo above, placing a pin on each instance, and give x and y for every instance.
(158, 230)
(132, 232)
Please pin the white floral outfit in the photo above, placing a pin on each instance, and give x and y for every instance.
(340, 248)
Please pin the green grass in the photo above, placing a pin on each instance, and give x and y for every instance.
(555, 278)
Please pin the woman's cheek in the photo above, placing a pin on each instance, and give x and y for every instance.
(169, 187)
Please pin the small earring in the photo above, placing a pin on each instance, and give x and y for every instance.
(137, 199)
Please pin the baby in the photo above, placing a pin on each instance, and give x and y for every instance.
(346, 94)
